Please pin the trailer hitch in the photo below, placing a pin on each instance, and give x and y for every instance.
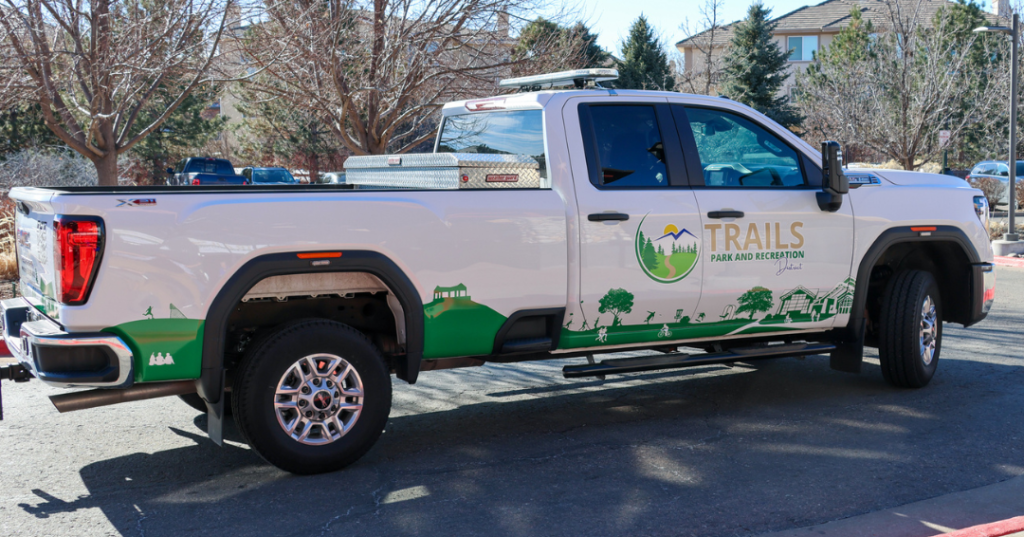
(15, 372)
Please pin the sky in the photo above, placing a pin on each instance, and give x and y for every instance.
(611, 19)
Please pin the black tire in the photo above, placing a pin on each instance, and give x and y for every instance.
(271, 361)
(193, 400)
(902, 341)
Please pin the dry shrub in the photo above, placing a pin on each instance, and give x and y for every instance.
(8, 255)
(991, 188)
(997, 228)
(43, 168)
(1020, 193)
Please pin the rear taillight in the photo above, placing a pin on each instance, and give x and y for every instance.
(195, 182)
(78, 246)
(968, 178)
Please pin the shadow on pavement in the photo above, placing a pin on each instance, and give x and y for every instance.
(774, 441)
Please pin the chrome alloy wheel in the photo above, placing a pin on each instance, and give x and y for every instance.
(929, 329)
(318, 399)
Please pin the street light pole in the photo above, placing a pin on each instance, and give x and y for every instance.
(1014, 33)
(1011, 234)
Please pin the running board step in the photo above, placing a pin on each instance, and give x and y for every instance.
(677, 360)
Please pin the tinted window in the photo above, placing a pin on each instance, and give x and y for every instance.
(272, 176)
(502, 133)
(1020, 168)
(217, 167)
(630, 152)
(736, 152)
(1002, 170)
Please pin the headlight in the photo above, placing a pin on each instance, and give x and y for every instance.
(981, 208)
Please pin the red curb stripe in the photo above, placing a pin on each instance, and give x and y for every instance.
(995, 529)
(1009, 261)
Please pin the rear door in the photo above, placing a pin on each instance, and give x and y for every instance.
(773, 260)
(640, 276)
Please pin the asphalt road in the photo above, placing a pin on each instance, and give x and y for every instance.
(518, 450)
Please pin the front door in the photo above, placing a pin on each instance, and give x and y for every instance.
(773, 260)
(640, 252)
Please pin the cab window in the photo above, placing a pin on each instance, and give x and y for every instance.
(736, 152)
(627, 146)
(503, 133)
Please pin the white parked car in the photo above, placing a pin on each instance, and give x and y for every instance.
(550, 223)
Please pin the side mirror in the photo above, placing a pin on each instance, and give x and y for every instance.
(170, 171)
(833, 181)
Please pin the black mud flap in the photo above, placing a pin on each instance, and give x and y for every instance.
(17, 373)
(215, 417)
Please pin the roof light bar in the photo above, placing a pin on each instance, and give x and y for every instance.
(578, 78)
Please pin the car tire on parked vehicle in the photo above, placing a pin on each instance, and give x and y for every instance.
(910, 331)
(312, 397)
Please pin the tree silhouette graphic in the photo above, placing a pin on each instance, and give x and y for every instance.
(755, 300)
(616, 302)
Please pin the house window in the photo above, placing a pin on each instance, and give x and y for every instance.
(802, 49)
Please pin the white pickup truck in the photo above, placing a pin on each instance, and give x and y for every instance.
(547, 224)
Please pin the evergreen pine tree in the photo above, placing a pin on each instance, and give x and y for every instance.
(755, 68)
(649, 256)
(593, 54)
(644, 64)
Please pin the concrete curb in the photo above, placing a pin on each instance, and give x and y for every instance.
(1017, 262)
(995, 529)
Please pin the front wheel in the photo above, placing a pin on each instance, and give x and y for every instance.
(910, 331)
(312, 397)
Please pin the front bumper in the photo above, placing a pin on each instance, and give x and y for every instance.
(63, 359)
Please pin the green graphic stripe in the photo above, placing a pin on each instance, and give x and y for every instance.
(459, 327)
(626, 334)
(181, 339)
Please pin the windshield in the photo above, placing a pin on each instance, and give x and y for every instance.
(503, 133)
(272, 176)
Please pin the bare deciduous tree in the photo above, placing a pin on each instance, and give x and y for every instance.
(893, 89)
(377, 71)
(703, 75)
(95, 65)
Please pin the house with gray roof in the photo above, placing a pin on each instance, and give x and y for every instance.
(806, 30)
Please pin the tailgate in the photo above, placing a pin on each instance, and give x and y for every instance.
(36, 265)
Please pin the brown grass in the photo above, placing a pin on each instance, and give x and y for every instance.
(996, 228)
(8, 254)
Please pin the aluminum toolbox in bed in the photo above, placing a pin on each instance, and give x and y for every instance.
(444, 171)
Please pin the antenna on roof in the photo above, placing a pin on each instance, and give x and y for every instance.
(579, 79)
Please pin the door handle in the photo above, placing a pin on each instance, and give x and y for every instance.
(725, 214)
(608, 217)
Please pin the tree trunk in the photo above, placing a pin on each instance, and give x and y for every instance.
(106, 169)
(314, 168)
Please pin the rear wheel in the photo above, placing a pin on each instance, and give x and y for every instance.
(910, 331)
(312, 397)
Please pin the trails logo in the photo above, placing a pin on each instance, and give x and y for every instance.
(160, 359)
(758, 241)
(666, 253)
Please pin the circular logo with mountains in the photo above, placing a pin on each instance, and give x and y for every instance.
(666, 252)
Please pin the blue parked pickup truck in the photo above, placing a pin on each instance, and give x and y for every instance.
(202, 171)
